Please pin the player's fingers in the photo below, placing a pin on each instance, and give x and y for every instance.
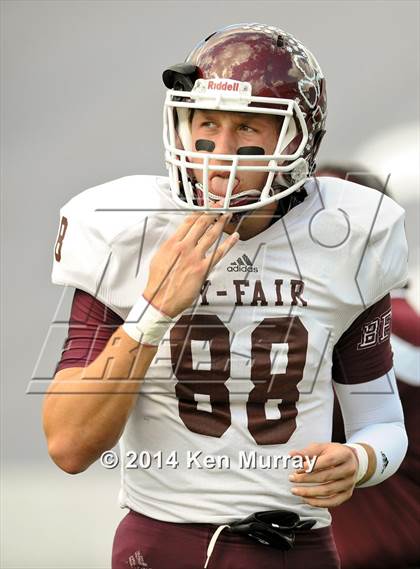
(201, 225)
(215, 256)
(213, 233)
(336, 473)
(327, 460)
(313, 449)
(330, 501)
(189, 221)
(322, 490)
(186, 225)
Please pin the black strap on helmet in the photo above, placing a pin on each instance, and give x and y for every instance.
(180, 77)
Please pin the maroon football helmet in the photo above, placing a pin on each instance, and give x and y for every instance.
(245, 68)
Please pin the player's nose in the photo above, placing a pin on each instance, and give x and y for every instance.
(225, 143)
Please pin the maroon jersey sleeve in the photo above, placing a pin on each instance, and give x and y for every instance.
(364, 350)
(91, 324)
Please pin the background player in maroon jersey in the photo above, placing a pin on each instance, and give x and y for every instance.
(379, 527)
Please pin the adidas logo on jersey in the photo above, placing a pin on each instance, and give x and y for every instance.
(242, 264)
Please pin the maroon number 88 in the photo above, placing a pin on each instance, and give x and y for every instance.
(211, 382)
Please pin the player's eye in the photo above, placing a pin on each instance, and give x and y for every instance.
(247, 128)
(208, 124)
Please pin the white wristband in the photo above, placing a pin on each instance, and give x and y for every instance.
(363, 459)
(146, 324)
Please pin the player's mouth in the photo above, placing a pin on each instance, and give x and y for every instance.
(244, 198)
(218, 184)
(217, 188)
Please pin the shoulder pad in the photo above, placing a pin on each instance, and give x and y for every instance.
(377, 234)
(93, 220)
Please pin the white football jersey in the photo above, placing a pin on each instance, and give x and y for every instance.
(243, 376)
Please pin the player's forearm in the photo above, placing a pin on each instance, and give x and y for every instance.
(86, 409)
(376, 422)
(386, 445)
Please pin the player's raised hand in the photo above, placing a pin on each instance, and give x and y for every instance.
(180, 266)
(334, 475)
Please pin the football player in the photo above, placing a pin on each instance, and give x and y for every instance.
(213, 311)
(379, 527)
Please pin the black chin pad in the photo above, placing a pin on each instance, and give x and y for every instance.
(250, 150)
(207, 145)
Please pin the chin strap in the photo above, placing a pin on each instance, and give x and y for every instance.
(275, 528)
(246, 194)
(284, 205)
(279, 184)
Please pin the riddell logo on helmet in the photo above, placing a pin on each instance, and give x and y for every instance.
(222, 86)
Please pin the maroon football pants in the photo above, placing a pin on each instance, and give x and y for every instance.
(145, 543)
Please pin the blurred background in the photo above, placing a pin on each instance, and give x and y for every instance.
(81, 103)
